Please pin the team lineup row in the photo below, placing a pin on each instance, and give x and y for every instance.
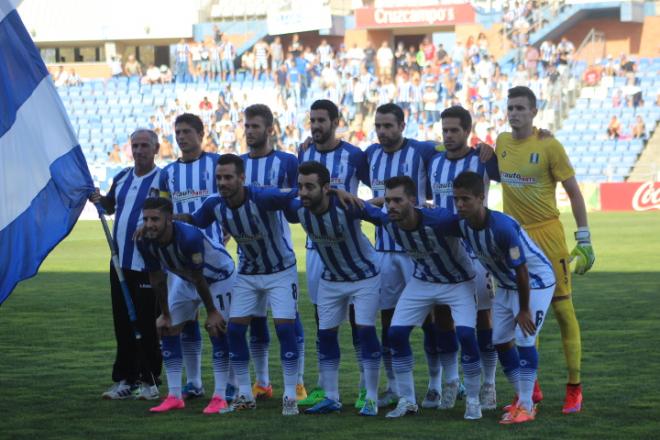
(429, 254)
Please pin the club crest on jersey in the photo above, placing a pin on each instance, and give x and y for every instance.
(197, 258)
(514, 253)
(534, 158)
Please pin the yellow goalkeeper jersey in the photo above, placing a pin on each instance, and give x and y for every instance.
(529, 170)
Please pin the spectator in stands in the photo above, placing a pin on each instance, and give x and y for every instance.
(276, 53)
(182, 55)
(628, 66)
(385, 60)
(205, 61)
(132, 67)
(370, 57)
(113, 155)
(531, 59)
(165, 74)
(614, 128)
(152, 76)
(632, 92)
(228, 53)
(165, 152)
(260, 58)
(195, 60)
(429, 50)
(247, 62)
(296, 47)
(548, 54)
(565, 51)
(458, 55)
(61, 77)
(73, 78)
(115, 66)
(442, 56)
(355, 59)
(639, 128)
(324, 52)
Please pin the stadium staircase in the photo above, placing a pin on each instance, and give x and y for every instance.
(568, 17)
(648, 165)
(584, 132)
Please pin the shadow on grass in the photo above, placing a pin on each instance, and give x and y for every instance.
(57, 346)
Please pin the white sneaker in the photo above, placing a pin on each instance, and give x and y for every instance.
(147, 392)
(403, 408)
(431, 400)
(119, 391)
(289, 407)
(449, 394)
(472, 409)
(488, 396)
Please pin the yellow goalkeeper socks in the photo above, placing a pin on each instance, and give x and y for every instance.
(570, 336)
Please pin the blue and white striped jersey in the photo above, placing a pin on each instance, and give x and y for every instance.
(258, 227)
(127, 194)
(412, 160)
(275, 170)
(434, 245)
(443, 171)
(188, 184)
(504, 245)
(346, 163)
(189, 250)
(346, 252)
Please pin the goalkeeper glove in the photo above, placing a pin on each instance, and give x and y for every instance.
(583, 254)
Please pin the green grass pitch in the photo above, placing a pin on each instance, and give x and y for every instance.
(57, 348)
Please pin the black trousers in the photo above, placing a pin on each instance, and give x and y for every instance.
(127, 364)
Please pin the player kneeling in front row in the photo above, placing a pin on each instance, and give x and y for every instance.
(197, 272)
(349, 276)
(443, 275)
(525, 285)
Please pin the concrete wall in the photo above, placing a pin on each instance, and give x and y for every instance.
(642, 39)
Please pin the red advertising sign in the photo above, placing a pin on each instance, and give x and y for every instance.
(630, 196)
(370, 18)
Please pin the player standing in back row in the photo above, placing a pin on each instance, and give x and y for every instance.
(392, 156)
(187, 182)
(347, 166)
(530, 168)
(267, 168)
(445, 166)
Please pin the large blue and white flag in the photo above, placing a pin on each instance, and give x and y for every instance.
(44, 179)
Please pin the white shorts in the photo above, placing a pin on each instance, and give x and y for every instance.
(314, 270)
(419, 297)
(506, 308)
(253, 294)
(484, 286)
(334, 298)
(396, 271)
(183, 299)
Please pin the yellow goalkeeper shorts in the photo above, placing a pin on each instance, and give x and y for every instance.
(549, 235)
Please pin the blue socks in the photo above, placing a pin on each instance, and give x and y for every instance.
(191, 343)
(173, 361)
(240, 357)
(329, 357)
(286, 333)
(259, 343)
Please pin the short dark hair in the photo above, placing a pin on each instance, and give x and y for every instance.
(259, 110)
(393, 109)
(160, 203)
(524, 92)
(229, 159)
(470, 181)
(408, 184)
(327, 105)
(314, 167)
(460, 113)
(193, 120)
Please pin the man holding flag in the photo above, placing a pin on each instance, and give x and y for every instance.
(129, 190)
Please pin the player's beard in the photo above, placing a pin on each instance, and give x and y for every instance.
(320, 137)
(259, 143)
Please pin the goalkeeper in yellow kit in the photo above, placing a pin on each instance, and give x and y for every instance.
(530, 167)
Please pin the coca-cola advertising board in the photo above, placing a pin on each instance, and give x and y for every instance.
(630, 196)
